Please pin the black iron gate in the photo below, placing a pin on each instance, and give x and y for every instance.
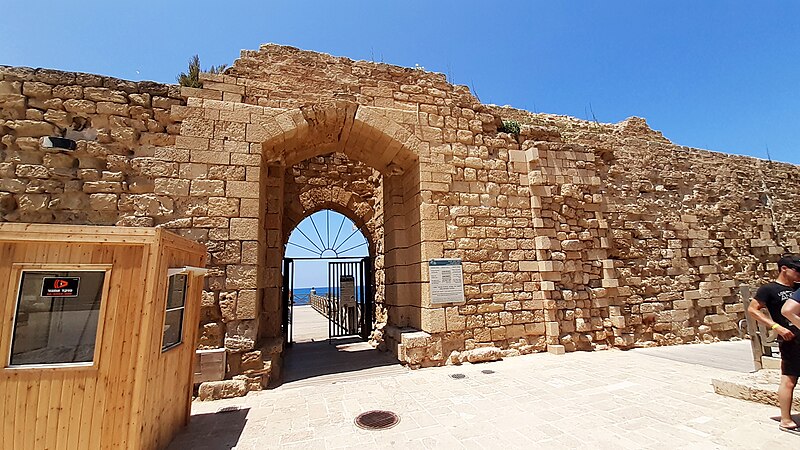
(350, 298)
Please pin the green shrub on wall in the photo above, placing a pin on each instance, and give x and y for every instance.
(192, 78)
(511, 127)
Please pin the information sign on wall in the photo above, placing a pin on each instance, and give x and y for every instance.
(447, 280)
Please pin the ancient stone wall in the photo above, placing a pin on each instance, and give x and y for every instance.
(573, 234)
(687, 227)
(121, 129)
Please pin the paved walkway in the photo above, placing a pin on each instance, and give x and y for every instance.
(608, 399)
(308, 325)
(315, 360)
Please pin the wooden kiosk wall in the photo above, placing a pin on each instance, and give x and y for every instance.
(133, 395)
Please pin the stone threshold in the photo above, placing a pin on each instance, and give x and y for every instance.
(760, 387)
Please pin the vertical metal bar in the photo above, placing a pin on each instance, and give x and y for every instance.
(370, 293)
(285, 300)
(339, 298)
(348, 270)
(334, 293)
(330, 305)
(291, 303)
(363, 302)
(338, 282)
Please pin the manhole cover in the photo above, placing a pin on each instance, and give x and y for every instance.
(487, 371)
(458, 376)
(377, 420)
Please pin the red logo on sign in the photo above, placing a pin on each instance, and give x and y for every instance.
(58, 284)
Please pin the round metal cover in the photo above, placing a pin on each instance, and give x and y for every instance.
(458, 376)
(377, 420)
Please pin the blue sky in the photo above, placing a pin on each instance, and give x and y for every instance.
(326, 233)
(721, 75)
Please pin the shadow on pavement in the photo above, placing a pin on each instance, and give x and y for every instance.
(313, 359)
(220, 430)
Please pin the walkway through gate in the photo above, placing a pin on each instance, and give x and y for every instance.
(347, 303)
(326, 327)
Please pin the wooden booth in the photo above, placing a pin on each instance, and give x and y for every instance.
(98, 328)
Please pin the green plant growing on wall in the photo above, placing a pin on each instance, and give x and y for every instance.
(511, 127)
(192, 78)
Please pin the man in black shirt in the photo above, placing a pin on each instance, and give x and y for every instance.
(771, 297)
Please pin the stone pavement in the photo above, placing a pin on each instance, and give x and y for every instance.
(313, 359)
(608, 399)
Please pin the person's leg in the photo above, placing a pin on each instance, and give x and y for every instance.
(785, 391)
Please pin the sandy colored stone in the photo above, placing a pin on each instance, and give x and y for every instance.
(215, 390)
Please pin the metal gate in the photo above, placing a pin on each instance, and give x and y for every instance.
(350, 298)
(348, 303)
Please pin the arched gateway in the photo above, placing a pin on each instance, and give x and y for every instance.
(312, 154)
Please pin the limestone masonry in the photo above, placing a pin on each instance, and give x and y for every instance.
(574, 235)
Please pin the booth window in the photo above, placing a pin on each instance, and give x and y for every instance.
(176, 304)
(56, 317)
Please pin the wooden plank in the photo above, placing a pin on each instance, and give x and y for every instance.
(27, 232)
(130, 269)
(149, 358)
(42, 408)
(54, 410)
(106, 333)
(87, 414)
(16, 435)
(76, 403)
(106, 388)
(30, 405)
(63, 413)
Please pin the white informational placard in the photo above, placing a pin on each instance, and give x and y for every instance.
(447, 280)
(348, 284)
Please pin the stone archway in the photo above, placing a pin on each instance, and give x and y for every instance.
(364, 139)
(353, 189)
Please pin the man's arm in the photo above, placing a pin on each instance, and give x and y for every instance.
(791, 310)
(756, 311)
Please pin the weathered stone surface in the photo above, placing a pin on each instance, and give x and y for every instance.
(241, 277)
(98, 94)
(223, 207)
(241, 335)
(7, 203)
(211, 336)
(80, 106)
(215, 390)
(22, 128)
(227, 305)
(481, 354)
(244, 229)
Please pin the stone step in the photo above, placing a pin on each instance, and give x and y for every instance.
(759, 387)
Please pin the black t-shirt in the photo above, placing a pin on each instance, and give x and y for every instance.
(773, 295)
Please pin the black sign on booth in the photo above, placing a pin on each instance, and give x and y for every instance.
(60, 286)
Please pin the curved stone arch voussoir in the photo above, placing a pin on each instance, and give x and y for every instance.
(360, 132)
